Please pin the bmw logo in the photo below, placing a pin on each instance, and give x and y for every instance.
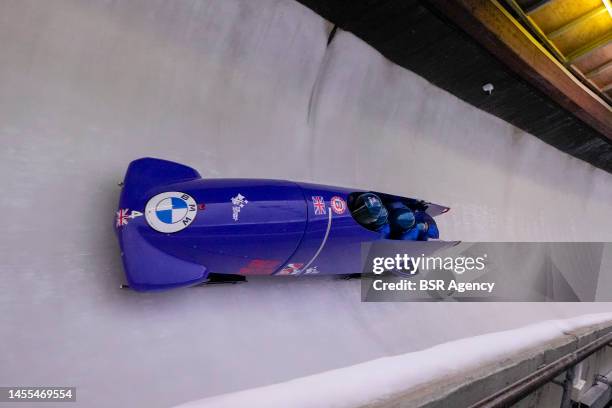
(170, 212)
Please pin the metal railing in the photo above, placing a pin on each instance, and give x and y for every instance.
(515, 392)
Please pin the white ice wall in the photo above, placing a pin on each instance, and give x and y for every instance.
(237, 89)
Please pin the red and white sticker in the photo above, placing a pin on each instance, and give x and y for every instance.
(291, 269)
(260, 267)
(338, 205)
(318, 203)
(124, 215)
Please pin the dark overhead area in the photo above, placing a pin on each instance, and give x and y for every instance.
(437, 40)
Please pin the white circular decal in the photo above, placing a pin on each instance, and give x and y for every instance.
(338, 205)
(171, 211)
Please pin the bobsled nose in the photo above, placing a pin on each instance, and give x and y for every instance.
(146, 266)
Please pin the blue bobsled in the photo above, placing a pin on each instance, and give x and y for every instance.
(177, 229)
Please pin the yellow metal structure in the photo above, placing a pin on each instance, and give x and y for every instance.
(577, 32)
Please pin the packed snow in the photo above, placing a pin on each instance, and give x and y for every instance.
(238, 88)
(378, 379)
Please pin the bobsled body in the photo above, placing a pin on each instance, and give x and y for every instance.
(175, 228)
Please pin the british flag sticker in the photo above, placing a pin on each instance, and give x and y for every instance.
(319, 205)
(124, 215)
(291, 269)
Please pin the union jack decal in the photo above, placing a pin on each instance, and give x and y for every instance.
(319, 205)
(122, 217)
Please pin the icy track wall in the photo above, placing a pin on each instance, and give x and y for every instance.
(237, 89)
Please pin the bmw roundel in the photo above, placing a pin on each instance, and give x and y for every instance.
(169, 212)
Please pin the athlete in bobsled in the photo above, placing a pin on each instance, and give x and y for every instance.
(177, 229)
(395, 219)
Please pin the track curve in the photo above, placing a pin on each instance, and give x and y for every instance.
(237, 90)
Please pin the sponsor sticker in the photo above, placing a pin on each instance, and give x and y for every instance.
(124, 215)
(291, 269)
(260, 267)
(311, 271)
(319, 205)
(238, 204)
(338, 205)
(170, 212)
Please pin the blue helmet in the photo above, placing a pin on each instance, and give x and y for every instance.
(370, 211)
(402, 218)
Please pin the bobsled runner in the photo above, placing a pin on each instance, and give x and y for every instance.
(178, 229)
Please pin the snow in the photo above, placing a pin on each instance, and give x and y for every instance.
(368, 382)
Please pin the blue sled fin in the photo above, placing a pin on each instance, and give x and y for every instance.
(144, 174)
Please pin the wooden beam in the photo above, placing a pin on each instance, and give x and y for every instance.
(490, 24)
(598, 70)
(536, 6)
(577, 21)
(589, 48)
